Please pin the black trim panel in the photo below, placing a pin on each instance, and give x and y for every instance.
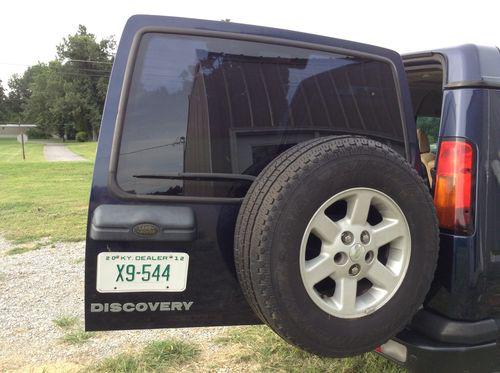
(198, 176)
(445, 330)
(143, 223)
(425, 355)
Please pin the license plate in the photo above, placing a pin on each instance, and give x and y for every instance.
(128, 272)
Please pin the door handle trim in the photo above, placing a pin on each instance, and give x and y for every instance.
(143, 223)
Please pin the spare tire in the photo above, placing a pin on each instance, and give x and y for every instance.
(336, 245)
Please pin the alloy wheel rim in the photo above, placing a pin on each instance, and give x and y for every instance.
(352, 265)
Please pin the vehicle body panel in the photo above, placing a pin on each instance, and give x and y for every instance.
(467, 65)
(468, 275)
(212, 285)
(469, 268)
(467, 281)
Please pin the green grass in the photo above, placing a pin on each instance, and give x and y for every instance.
(79, 260)
(76, 337)
(41, 199)
(66, 322)
(44, 199)
(18, 250)
(85, 149)
(24, 248)
(11, 151)
(157, 356)
(74, 334)
(259, 347)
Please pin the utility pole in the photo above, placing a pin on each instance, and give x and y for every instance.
(22, 138)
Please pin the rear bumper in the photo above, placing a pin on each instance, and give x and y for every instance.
(425, 355)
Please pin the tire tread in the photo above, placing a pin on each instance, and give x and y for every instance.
(261, 207)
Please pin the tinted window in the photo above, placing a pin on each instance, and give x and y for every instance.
(208, 105)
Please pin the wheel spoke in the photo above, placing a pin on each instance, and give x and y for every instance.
(350, 248)
(345, 294)
(387, 231)
(325, 228)
(382, 276)
(358, 207)
(318, 269)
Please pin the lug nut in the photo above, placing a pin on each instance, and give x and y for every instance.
(354, 270)
(347, 238)
(369, 256)
(365, 237)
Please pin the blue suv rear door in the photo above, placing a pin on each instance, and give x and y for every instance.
(194, 111)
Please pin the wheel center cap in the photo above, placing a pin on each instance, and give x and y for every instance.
(356, 252)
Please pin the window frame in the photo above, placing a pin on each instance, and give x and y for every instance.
(113, 185)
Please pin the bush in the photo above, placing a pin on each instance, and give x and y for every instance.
(36, 133)
(81, 136)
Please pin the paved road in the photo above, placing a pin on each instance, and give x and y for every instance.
(58, 153)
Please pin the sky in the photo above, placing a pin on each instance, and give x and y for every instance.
(30, 30)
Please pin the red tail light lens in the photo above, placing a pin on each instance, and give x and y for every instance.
(454, 186)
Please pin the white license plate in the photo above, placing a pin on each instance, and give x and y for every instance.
(127, 272)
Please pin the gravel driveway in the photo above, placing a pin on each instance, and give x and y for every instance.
(60, 153)
(39, 286)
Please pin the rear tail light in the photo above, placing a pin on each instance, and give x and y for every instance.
(453, 193)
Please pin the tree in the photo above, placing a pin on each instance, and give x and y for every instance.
(3, 105)
(19, 92)
(44, 105)
(69, 90)
(87, 65)
(430, 126)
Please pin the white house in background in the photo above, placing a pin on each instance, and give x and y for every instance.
(14, 130)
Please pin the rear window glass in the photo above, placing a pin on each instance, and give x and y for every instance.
(200, 105)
